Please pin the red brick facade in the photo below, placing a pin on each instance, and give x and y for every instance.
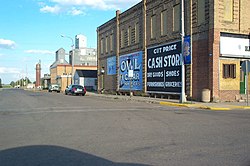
(205, 71)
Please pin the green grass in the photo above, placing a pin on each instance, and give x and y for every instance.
(7, 86)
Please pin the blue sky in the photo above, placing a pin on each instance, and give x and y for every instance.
(30, 31)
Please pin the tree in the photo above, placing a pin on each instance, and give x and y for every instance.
(12, 83)
(1, 83)
(23, 81)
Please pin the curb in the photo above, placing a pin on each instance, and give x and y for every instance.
(216, 108)
(124, 98)
(241, 107)
(198, 106)
(174, 104)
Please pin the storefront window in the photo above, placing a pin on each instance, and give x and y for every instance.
(229, 71)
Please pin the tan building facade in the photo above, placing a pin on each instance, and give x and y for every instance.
(220, 38)
(61, 74)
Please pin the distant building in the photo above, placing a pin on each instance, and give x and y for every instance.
(46, 80)
(86, 78)
(82, 55)
(61, 70)
(80, 41)
(60, 56)
(89, 58)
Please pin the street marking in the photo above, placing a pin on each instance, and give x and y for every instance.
(69, 110)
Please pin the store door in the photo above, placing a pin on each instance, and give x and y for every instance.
(242, 81)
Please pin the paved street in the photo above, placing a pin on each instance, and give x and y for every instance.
(41, 128)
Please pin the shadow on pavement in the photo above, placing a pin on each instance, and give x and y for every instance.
(43, 155)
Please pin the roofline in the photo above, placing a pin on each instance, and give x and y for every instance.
(114, 18)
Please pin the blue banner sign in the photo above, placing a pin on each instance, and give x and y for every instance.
(187, 51)
(111, 65)
(131, 62)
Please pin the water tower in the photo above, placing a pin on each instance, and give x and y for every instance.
(38, 74)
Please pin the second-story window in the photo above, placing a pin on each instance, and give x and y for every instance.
(228, 10)
(137, 32)
(153, 26)
(107, 44)
(122, 38)
(201, 11)
(111, 40)
(132, 34)
(126, 38)
(129, 35)
(177, 18)
(102, 46)
(164, 22)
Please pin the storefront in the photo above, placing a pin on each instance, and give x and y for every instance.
(234, 54)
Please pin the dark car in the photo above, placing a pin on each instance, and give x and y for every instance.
(75, 90)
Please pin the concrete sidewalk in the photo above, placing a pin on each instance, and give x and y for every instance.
(220, 106)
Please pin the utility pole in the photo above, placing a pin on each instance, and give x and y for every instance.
(72, 57)
(183, 95)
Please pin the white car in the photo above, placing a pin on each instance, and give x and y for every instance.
(30, 86)
(55, 88)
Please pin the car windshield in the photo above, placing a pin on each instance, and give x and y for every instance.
(78, 86)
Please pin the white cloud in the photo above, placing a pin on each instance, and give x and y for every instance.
(7, 44)
(101, 4)
(9, 70)
(76, 12)
(50, 9)
(39, 52)
(76, 7)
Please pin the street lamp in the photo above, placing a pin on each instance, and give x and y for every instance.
(130, 75)
(102, 74)
(72, 58)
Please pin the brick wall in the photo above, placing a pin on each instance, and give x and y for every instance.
(240, 23)
(200, 72)
(204, 72)
(103, 31)
(228, 95)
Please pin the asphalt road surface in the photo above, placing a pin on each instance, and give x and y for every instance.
(50, 129)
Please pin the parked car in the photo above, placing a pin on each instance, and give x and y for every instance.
(75, 90)
(30, 86)
(55, 88)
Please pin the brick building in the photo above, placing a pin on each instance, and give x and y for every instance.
(145, 40)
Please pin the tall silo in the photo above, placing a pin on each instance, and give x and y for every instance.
(38, 74)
